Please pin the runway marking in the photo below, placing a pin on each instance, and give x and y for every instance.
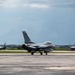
(60, 68)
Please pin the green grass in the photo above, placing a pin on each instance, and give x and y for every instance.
(13, 51)
(62, 49)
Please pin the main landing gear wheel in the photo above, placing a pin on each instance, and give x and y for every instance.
(41, 53)
(46, 52)
(32, 53)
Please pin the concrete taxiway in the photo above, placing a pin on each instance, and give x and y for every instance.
(26, 64)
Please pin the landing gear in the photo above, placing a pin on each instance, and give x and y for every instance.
(32, 53)
(41, 53)
(46, 52)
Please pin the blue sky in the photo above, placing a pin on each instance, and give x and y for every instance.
(43, 20)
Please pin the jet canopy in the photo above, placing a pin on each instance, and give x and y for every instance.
(47, 43)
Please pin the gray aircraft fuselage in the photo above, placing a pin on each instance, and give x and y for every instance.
(33, 47)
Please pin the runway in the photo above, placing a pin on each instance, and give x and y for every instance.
(26, 64)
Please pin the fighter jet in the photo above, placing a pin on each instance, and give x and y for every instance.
(34, 47)
(72, 48)
(3, 47)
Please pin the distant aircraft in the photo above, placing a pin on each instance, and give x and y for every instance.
(72, 48)
(3, 47)
(33, 47)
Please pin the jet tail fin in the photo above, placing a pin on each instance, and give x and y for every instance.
(26, 37)
(5, 45)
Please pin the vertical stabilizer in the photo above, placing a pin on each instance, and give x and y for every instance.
(26, 37)
(5, 45)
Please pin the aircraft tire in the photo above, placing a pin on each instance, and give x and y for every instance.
(46, 53)
(32, 53)
(41, 53)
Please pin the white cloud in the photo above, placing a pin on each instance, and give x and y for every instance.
(10, 3)
(43, 4)
(39, 6)
(35, 5)
(19, 3)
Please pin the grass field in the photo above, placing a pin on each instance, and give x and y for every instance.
(13, 51)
